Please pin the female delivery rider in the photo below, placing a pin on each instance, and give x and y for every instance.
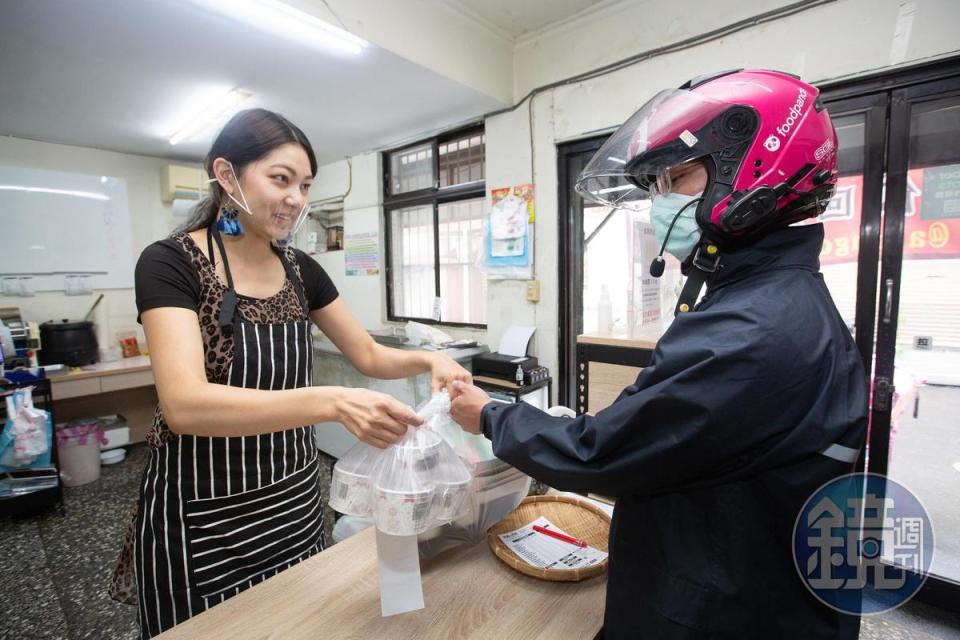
(230, 494)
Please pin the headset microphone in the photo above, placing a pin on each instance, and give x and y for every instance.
(658, 264)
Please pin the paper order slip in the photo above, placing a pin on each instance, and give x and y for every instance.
(544, 552)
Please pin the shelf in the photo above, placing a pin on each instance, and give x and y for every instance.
(42, 498)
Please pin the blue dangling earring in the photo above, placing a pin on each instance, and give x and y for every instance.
(228, 224)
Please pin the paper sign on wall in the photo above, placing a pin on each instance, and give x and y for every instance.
(362, 253)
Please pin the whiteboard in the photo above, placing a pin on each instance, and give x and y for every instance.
(55, 224)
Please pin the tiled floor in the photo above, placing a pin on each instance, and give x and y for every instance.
(55, 569)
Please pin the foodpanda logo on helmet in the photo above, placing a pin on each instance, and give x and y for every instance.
(772, 143)
(794, 114)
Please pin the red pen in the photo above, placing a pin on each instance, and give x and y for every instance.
(558, 536)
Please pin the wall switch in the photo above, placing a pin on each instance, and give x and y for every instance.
(533, 290)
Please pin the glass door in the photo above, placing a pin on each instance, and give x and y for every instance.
(916, 440)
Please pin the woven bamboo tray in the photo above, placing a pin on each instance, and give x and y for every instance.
(576, 516)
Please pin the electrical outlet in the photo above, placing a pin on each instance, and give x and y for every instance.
(533, 290)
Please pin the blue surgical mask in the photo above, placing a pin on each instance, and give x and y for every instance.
(686, 232)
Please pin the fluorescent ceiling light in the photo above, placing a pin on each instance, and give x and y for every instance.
(212, 115)
(59, 192)
(285, 21)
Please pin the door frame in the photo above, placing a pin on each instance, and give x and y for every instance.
(570, 253)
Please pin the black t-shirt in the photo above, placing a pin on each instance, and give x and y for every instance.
(166, 277)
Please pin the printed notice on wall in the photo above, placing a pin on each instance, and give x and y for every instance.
(362, 253)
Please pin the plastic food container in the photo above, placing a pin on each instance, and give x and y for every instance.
(350, 493)
(403, 513)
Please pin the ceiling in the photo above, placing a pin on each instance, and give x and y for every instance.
(124, 75)
(513, 19)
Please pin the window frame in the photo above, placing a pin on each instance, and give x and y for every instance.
(433, 197)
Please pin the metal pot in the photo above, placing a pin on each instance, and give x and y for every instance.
(73, 343)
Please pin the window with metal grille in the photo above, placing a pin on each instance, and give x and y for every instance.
(434, 201)
(412, 169)
(461, 160)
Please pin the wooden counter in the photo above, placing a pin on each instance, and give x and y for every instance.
(646, 339)
(468, 594)
(125, 365)
(606, 363)
(125, 386)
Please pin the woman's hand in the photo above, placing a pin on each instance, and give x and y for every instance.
(375, 418)
(445, 371)
(466, 405)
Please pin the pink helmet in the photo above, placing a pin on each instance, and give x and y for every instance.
(768, 144)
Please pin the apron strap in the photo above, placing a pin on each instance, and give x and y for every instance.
(297, 282)
(210, 254)
(230, 300)
(229, 309)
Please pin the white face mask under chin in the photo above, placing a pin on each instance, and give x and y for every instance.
(243, 205)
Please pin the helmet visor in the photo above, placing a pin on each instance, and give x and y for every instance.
(674, 127)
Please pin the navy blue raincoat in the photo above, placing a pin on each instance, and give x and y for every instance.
(712, 452)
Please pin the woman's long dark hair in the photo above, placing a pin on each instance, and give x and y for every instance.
(248, 136)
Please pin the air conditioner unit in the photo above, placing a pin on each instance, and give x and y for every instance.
(180, 182)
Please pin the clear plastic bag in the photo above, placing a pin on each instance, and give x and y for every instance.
(452, 481)
(473, 449)
(496, 488)
(422, 334)
(406, 488)
(403, 490)
(484, 508)
(351, 484)
(347, 526)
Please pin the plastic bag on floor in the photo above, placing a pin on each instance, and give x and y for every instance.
(26, 435)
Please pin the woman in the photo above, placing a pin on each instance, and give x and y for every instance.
(230, 495)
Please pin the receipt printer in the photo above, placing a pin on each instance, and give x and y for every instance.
(504, 367)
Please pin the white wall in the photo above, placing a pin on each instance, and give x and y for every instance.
(150, 220)
(362, 212)
(437, 35)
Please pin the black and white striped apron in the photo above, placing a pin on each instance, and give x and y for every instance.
(221, 514)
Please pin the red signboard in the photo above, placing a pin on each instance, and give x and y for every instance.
(938, 237)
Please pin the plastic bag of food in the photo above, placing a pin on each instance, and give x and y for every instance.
(406, 488)
(474, 449)
(351, 484)
(495, 490)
